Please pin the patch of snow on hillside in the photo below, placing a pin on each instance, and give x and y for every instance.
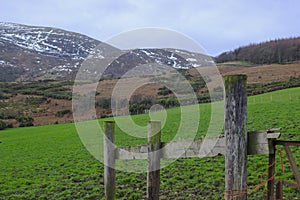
(182, 52)
(172, 57)
(62, 68)
(196, 65)
(191, 59)
(146, 52)
(45, 40)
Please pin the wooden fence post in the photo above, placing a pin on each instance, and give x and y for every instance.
(109, 161)
(154, 144)
(271, 170)
(279, 194)
(235, 137)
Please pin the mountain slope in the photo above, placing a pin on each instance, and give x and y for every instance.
(275, 51)
(48, 41)
(30, 53)
(174, 58)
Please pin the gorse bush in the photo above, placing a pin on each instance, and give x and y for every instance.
(2, 96)
(2, 125)
(164, 91)
(103, 103)
(9, 113)
(35, 100)
(25, 121)
(61, 113)
(260, 88)
(49, 89)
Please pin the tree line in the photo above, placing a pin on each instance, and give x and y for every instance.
(279, 51)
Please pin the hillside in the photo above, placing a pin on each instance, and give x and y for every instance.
(32, 53)
(49, 102)
(38, 66)
(278, 51)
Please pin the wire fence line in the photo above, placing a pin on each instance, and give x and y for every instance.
(271, 97)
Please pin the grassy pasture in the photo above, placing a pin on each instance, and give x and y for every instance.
(50, 162)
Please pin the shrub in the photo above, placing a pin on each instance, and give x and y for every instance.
(9, 113)
(25, 121)
(10, 125)
(35, 100)
(61, 113)
(2, 125)
(103, 103)
(2, 96)
(164, 91)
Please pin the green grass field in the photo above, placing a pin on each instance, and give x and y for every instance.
(50, 162)
(238, 63)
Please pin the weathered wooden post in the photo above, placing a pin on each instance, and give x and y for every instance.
(154, 144)
(279, 194)
(235, 137)
(109, 161)
(271, 170)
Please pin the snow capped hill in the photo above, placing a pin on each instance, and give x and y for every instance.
(30, 53)
(50, 41)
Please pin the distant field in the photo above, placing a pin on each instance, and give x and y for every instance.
(263, 73)
(49, 162)
(237, 63)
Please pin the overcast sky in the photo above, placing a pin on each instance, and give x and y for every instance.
(217, 25)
